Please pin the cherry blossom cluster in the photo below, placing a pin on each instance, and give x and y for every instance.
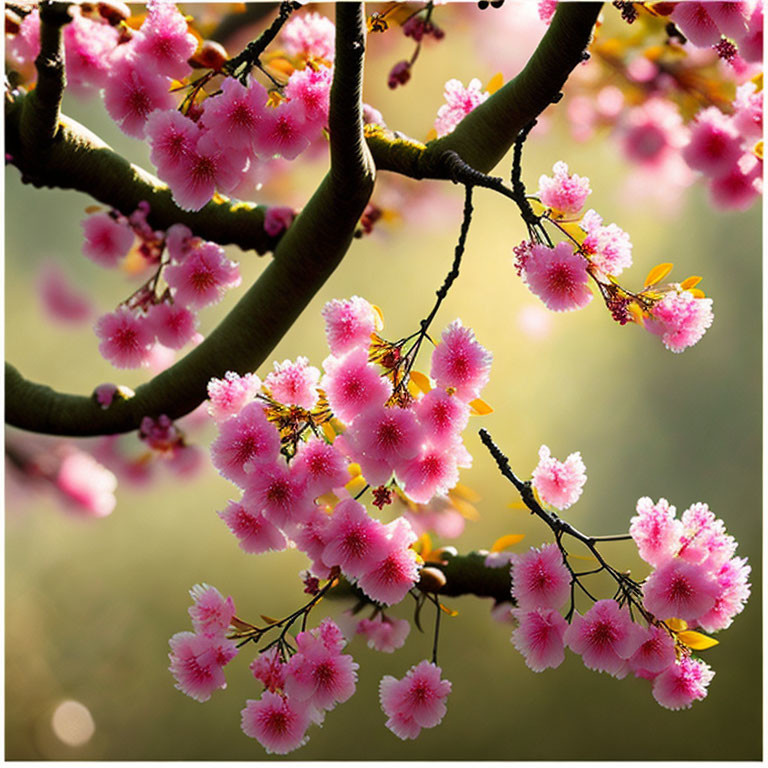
(278, 442)
(696, 582)
(559, 274)
(459, 102)
(189, 274)
(200, 142)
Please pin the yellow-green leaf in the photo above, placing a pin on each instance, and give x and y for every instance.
(268, 619)
(421, 381)
(504, 542)
(696, 640)
(495, 83)
(537, 206)
(657, 274)
(479, 407)
(690, 282)
(574, 230)
(329, 431)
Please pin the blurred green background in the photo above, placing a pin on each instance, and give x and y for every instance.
(90, 605)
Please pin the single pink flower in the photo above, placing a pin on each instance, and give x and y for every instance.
(133, 92)
(269, 667)
(276, 722)
(442, 417)
(715, 144)
(126, 339)
(460, 362)
(605, 637)
(197, 663)
(540, 578)
(733, 591)
(384, 634)
(245, 439)
(682, 683)
(320, 467)
(655, 654)
(88, 46)
(681, 590)
(172, 139)
(275, 490)
(459, 102)
(282, 131)
(229, 395)
(653, 133)
(415, 702)
(277, 219)
(255, 533)
(680, 319)
(294, 383)
(349, 323)
(539, 637)
(173, 324)
(352, 384)
(309, 34)
(163, 42)
(432, 472)
(61, 300)
(235, 113)
(656, 531)
(565, 193)
(558, 276)
(738, 189)
(609, 248)
(311, 90)
(107, 240)
(210, 612)
(703, 538)
(559, 483)
(88, 487)
(203, 277)
(748, 111)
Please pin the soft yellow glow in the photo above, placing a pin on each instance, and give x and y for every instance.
(72, 723)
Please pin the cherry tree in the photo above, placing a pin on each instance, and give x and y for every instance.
(352, 455)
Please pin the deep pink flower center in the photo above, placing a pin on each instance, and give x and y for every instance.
(126, 338)
(603, 633)
(324, 674)
(680, 589)
(277, 721)
(279, 492)
(560, 279)
(242, 116)
(139, 102)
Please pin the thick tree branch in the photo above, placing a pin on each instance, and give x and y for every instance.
(306, 256)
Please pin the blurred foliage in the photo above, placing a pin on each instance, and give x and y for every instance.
(90, 605)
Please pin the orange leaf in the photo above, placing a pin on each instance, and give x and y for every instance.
(432, 135)
(379, 317)
(676, 625)
(657, 274)
(690, 282)
(268, 619)
(696, 640)
(464, 492)
(495, 83)
(423, 545)
(93, 208)
(421, 381)
(328, 431)
(504, 542)
(449, 611)
(697, 294)
(479, 407)
(516, 505)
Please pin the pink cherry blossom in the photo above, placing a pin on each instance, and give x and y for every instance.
(656, 531)
(682, 683)
(703, 538)
(245, 439)
(565, 193)
(276, 722)
(87, 486)
(738, 188)
(197, 663)
(207, 168)
(349, 323)
(442, 417)
(352, 385)
(309, 34)
(384, 634)
(733, 592)
(695, 23)
(320, 466)
(275, 490)
(107, 239)
(559, 483)
(163, 42)
(609, 248)
(748, 106)
(311, 89)
(433, 471)
(203, 277)
(61, 300)
(654, 132)
(269, 668)
(680, 319)
(678, 589)
(172, 139)
(210, 612)
(173, 324)
(277, 219)
(730, 17)
(459, 102)
(229, 395)
(460, 362)
(235, 113)
(655, 654)
(294, 383)
(415, 702)
(126, 339)
(605, 637)
(558, 276)
(88, 46)
(282, 131)
(715, 144)
(311, 537)
(540, 578)
(319, 676)
(133, 92)
(547, 10)
(255, 533)
(539, 637)
(355, 541)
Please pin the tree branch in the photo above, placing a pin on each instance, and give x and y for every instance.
(306, 256)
